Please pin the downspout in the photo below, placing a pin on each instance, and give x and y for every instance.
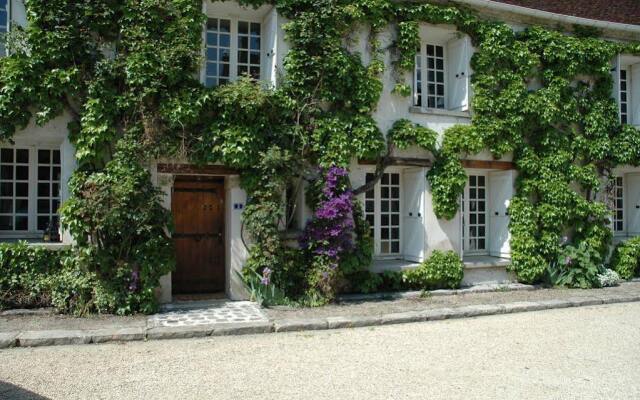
(567, 19)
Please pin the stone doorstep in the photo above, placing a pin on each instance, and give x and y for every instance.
(62, 337)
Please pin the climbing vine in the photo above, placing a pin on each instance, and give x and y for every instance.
(124, 72)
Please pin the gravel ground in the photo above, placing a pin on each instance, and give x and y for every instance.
(366, 308)
(576, 353)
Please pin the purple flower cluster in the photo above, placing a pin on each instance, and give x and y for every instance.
(266, 277)
(330, 232)
(134, 282)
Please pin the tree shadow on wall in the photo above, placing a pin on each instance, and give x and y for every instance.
(10, 391)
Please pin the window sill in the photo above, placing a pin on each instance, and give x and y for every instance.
(475, 262)
(439, 112)
(381, 265)
(37, 242)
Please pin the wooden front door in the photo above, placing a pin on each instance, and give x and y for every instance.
(198, 213)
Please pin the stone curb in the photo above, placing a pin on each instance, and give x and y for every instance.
(489, 288)
(61, 337)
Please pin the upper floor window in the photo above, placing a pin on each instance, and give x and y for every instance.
(4, 25)
(233, 49)
(626, 78)
(441, 76)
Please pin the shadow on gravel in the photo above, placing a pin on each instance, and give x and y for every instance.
(9, 391)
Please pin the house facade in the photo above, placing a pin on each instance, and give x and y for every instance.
(207, 202)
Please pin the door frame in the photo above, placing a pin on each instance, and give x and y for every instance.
(218, 179)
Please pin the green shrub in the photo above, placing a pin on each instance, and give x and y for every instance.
(23, 275)
(577, 267)
(443, 269)
(626, 258)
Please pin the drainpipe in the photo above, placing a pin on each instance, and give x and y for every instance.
(567, 19)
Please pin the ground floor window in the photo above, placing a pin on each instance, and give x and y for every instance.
(617, 205)
(29, 189)
(474, 215)
(382, 212)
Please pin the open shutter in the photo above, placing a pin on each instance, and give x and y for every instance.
(501, 190)
(414, 184)
(459, 55)
(269, 33)
(634, 95)
(18, 13)
(633, 203)
(615, 74)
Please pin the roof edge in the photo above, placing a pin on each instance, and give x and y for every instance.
(569, 19)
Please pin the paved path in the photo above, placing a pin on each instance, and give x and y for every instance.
(574, 353)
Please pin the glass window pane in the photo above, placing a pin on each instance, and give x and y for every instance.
(44, 173)
(22, 206)
(255, 29)
(22, 223)
(6, 223)
(243, 27)
(6, 156)
(22, 156)
(44, 157)
(22, 189)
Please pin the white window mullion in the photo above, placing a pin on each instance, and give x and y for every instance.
(33, 188)
(233, 73)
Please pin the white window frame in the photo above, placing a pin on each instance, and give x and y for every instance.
(377, 213)
(3, 46)
(615, 209)
(233, 57)
(625, 116)
(33, 232)
(421, 59)
(465, 216)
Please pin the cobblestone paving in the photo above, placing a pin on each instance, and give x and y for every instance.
(219, 312)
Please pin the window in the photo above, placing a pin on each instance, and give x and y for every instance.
(382, 212)
(233, 49)
(435, 77)
(442, 70)
(624, 93)
(4, 24)
(474, 215)
(617, 204)
(29, 189)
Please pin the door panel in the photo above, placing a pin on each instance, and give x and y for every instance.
(501, 185)
(414, 182)
(198, 214)
(633, 200)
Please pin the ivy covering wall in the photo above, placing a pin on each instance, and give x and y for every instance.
(124, 71)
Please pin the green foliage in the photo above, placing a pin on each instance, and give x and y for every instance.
(442, 270)
(23, 275)
(125, 73)
(577, 267)
(121, 232)
(405, 133)
(626, 258)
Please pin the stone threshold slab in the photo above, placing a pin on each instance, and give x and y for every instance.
(71, 337)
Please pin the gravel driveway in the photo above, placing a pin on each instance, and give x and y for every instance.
(575, 353)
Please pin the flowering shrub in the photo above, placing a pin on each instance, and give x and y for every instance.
(608, 278)
(329, 235)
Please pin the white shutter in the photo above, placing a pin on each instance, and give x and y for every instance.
(414, 185)
(634, 94)
(269, 33)
(501, 190)
(633, 203)
(459, 57)
(18, 13)
(615, 74)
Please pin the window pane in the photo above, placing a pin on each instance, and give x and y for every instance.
(6, 223)
(22, 206)
(22, 156)
(6, 156)
(44, 157)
